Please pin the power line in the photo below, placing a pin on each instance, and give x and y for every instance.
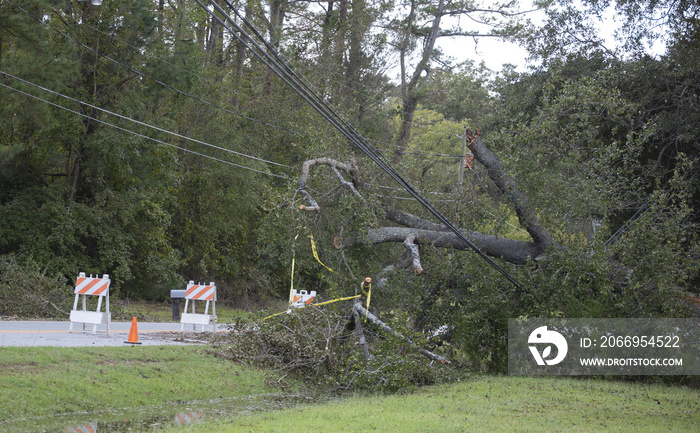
(143, 123)
(141, 135)
(271, 59)
(437, 155)
(135, 71)
(136, 49)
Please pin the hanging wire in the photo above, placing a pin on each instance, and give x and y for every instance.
(270, 58)
(141, 135)
(175, 134)
(141, 74)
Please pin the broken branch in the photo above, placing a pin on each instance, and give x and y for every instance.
(350, 169)
(415, 255)
(384, 327)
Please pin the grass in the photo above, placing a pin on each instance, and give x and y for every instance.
(163, 311)
(490, 404)
(47, 381)
(111, 384)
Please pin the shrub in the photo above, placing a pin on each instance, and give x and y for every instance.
(26, 291)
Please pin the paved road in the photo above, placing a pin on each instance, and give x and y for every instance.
(45, 333)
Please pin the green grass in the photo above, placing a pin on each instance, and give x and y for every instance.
(46, 381)
(490, 404)
(163, 312)
(108, 385)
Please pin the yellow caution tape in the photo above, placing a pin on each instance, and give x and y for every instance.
(315, 305)
(291, 284)
(367, 283)
(313, 249)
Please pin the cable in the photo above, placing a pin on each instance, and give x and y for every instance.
(271, 59)
(135, 71)
(437, 155)
(141, 135)
(145, 124)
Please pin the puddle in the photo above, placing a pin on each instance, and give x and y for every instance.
(154, 418)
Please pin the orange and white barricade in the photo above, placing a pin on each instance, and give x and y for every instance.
(302, 298)
(189, 417)
(199, 292)
(92, 286)
(85, 428)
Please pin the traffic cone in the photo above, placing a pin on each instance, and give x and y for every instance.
(134, 333)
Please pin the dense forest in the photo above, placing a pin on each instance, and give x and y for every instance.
(144, 139)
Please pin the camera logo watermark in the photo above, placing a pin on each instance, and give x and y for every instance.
(542, 336)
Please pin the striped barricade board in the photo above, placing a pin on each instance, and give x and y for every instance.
(91, 286)
(199, 292)
(302, 298)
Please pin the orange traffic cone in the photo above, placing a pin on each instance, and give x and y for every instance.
(134, 333)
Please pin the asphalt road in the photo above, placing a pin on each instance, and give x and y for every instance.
(45, 333)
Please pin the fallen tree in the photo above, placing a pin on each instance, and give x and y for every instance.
(341, 348)
(414, 231)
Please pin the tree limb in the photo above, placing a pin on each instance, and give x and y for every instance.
(357, 306)
(541, 238)
(415, 255)
(350, 169)
(510, 250)
(361, 334)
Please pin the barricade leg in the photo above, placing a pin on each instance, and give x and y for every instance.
(75, 307)
(84, 309)
(94, 326)
(182, 325)
(213, 312)
(194, 325)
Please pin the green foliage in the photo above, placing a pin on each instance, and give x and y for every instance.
(461, 94)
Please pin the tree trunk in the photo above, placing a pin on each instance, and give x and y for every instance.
(417, 231)
(410, 91)
(541, 238)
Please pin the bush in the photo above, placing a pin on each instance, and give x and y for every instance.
(26, 291)
(318, 346)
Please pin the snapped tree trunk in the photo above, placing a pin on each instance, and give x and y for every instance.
(416, 231)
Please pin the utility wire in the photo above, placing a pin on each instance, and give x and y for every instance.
(282, 69)
(141, 135)
(135, 71)
(133, 48)
(145, 124)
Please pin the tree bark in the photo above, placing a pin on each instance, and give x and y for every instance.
(417, 231)
(410, 245)
(350, 169)
(541, 238)
(360, 333)
(510, 250)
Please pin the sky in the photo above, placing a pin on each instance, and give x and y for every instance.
(495, 52)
